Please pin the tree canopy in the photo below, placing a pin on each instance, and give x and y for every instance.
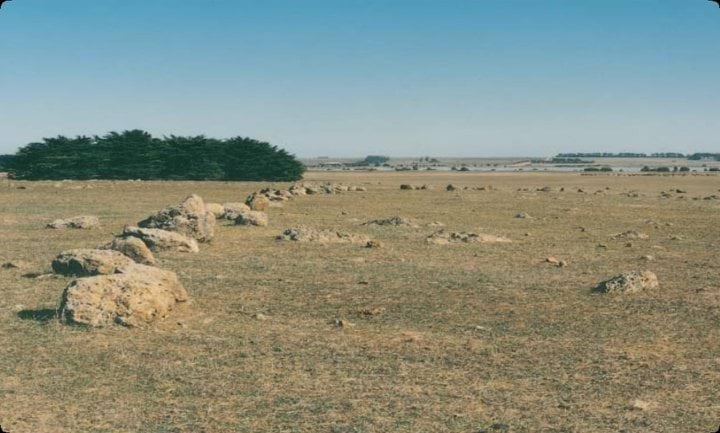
(5, 161)
(138, 155)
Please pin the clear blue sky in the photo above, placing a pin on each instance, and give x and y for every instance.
(351, 77)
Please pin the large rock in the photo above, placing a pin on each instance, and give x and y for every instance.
(216, 208)
(133, 248)
(629, 282)
(233, 210)
(252, 218)
(298, 190)
(135, 296)
(257, 201)
(78, 222)
(162, 240)
(88, 262)
(190, 218)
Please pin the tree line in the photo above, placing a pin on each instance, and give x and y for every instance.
(693, 156)
(138, 155)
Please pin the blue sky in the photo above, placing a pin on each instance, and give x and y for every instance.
(351, 77)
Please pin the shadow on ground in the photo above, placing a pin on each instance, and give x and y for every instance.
(42, 315)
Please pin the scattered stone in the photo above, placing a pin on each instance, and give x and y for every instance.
(648, 258)
(450, 187)
(555, 261)
(629, 282)
(523, 215)
(376, 311)
(89, 262)
(393, 221)
(630, 234)
(442, 237)
(308, 234)
(260, 316)
(84, 222)
(408, 187)
(545, 189)
(342, 323)
(16, 264)
(189, 218)
(135, 296)
(133, 248)
(252, 218)
(162, 240)
(641, 405)
(373, 244)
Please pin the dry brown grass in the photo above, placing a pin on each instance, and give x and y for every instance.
(473, 337)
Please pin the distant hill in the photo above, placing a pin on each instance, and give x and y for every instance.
(138, 155)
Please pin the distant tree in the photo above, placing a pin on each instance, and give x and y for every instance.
(5, 161)
(137, 155)
(375, 160)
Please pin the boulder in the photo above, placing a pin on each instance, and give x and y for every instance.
(162, 240)
(257, 201)
(233, 210)
(216, 208)
(78, 222)
(450, 187)
(88, 262)
(308, 234)
(134, 296)
(132, 247)
(252, 218)
(190, 218)
(629, 282)
(298, 190)
(408, 187)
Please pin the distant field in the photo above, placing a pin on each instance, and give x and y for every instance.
(462, 337)
(523, 164)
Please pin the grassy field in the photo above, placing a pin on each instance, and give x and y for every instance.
(472, 338)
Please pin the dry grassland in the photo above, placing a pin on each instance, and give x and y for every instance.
(444, 338)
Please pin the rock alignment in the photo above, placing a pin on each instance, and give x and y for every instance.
(190, 218)
(162, 240)
(132, 247)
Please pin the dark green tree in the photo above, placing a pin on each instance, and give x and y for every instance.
(138, 155)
